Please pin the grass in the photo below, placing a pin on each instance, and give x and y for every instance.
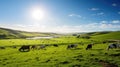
(111, 35)
(61, 40)
(59, 56)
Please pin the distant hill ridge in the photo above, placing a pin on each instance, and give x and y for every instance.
(103, 35)
(6, 33)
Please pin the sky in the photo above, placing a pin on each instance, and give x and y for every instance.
(60, 16)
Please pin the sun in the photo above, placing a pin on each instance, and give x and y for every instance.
(37, 14)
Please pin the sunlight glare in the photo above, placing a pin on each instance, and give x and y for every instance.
(37, 14)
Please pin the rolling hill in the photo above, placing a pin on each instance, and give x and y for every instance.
(10, 34)
(107, 36)
(103, 35)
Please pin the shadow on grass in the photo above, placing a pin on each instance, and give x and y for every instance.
(76, 48)
(96, 49)
(118, 54)
(64, 62)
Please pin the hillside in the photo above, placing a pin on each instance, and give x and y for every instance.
(9, 34)
(108, 36)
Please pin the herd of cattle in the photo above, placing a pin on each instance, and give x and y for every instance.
(26, 48)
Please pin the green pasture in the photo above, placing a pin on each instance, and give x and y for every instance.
(61, 40)
(59, 57)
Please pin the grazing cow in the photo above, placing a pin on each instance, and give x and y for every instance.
(2, 47)
(42, 47)
(24, 48)
(55, 45)
(111, 46)
(104, 42)
(89, 46)
(47, 45)
(72, 46)
(14, 47)
(33, 47)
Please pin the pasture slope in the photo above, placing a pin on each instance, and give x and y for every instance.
(14, 34)
(108, 36)
(59, 56)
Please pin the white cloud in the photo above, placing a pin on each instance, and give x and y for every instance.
(71, 15)
(102, 26)
(116, 21)
(98, 14)
(109, 25)
(94, 9)
(75, 15)
(101, 13)
(103, 22)
(114, 4)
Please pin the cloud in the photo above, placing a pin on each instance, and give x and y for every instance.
(94, 9)
(109, 25)
(98, 14)
(74, 15)
(102, 26)
(114, 4)
(116, 21)
(103, 22)
(101, 13)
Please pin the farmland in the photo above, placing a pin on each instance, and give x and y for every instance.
(59, 56)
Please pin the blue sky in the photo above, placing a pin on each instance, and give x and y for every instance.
(61, 15)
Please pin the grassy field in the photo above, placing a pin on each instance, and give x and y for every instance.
(60, 56)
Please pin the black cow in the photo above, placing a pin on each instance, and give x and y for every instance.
(89, 46)
(55, 45)
(72, 46)
(111, 46)
(24, 48)
(2, 47)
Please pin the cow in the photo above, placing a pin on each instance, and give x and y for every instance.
(24, 48)
(55, 45)
(72, 46)
(42, 46)
(2, 47)
(33, 47)
(89, 46)
(14, 47)
(113, 45)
